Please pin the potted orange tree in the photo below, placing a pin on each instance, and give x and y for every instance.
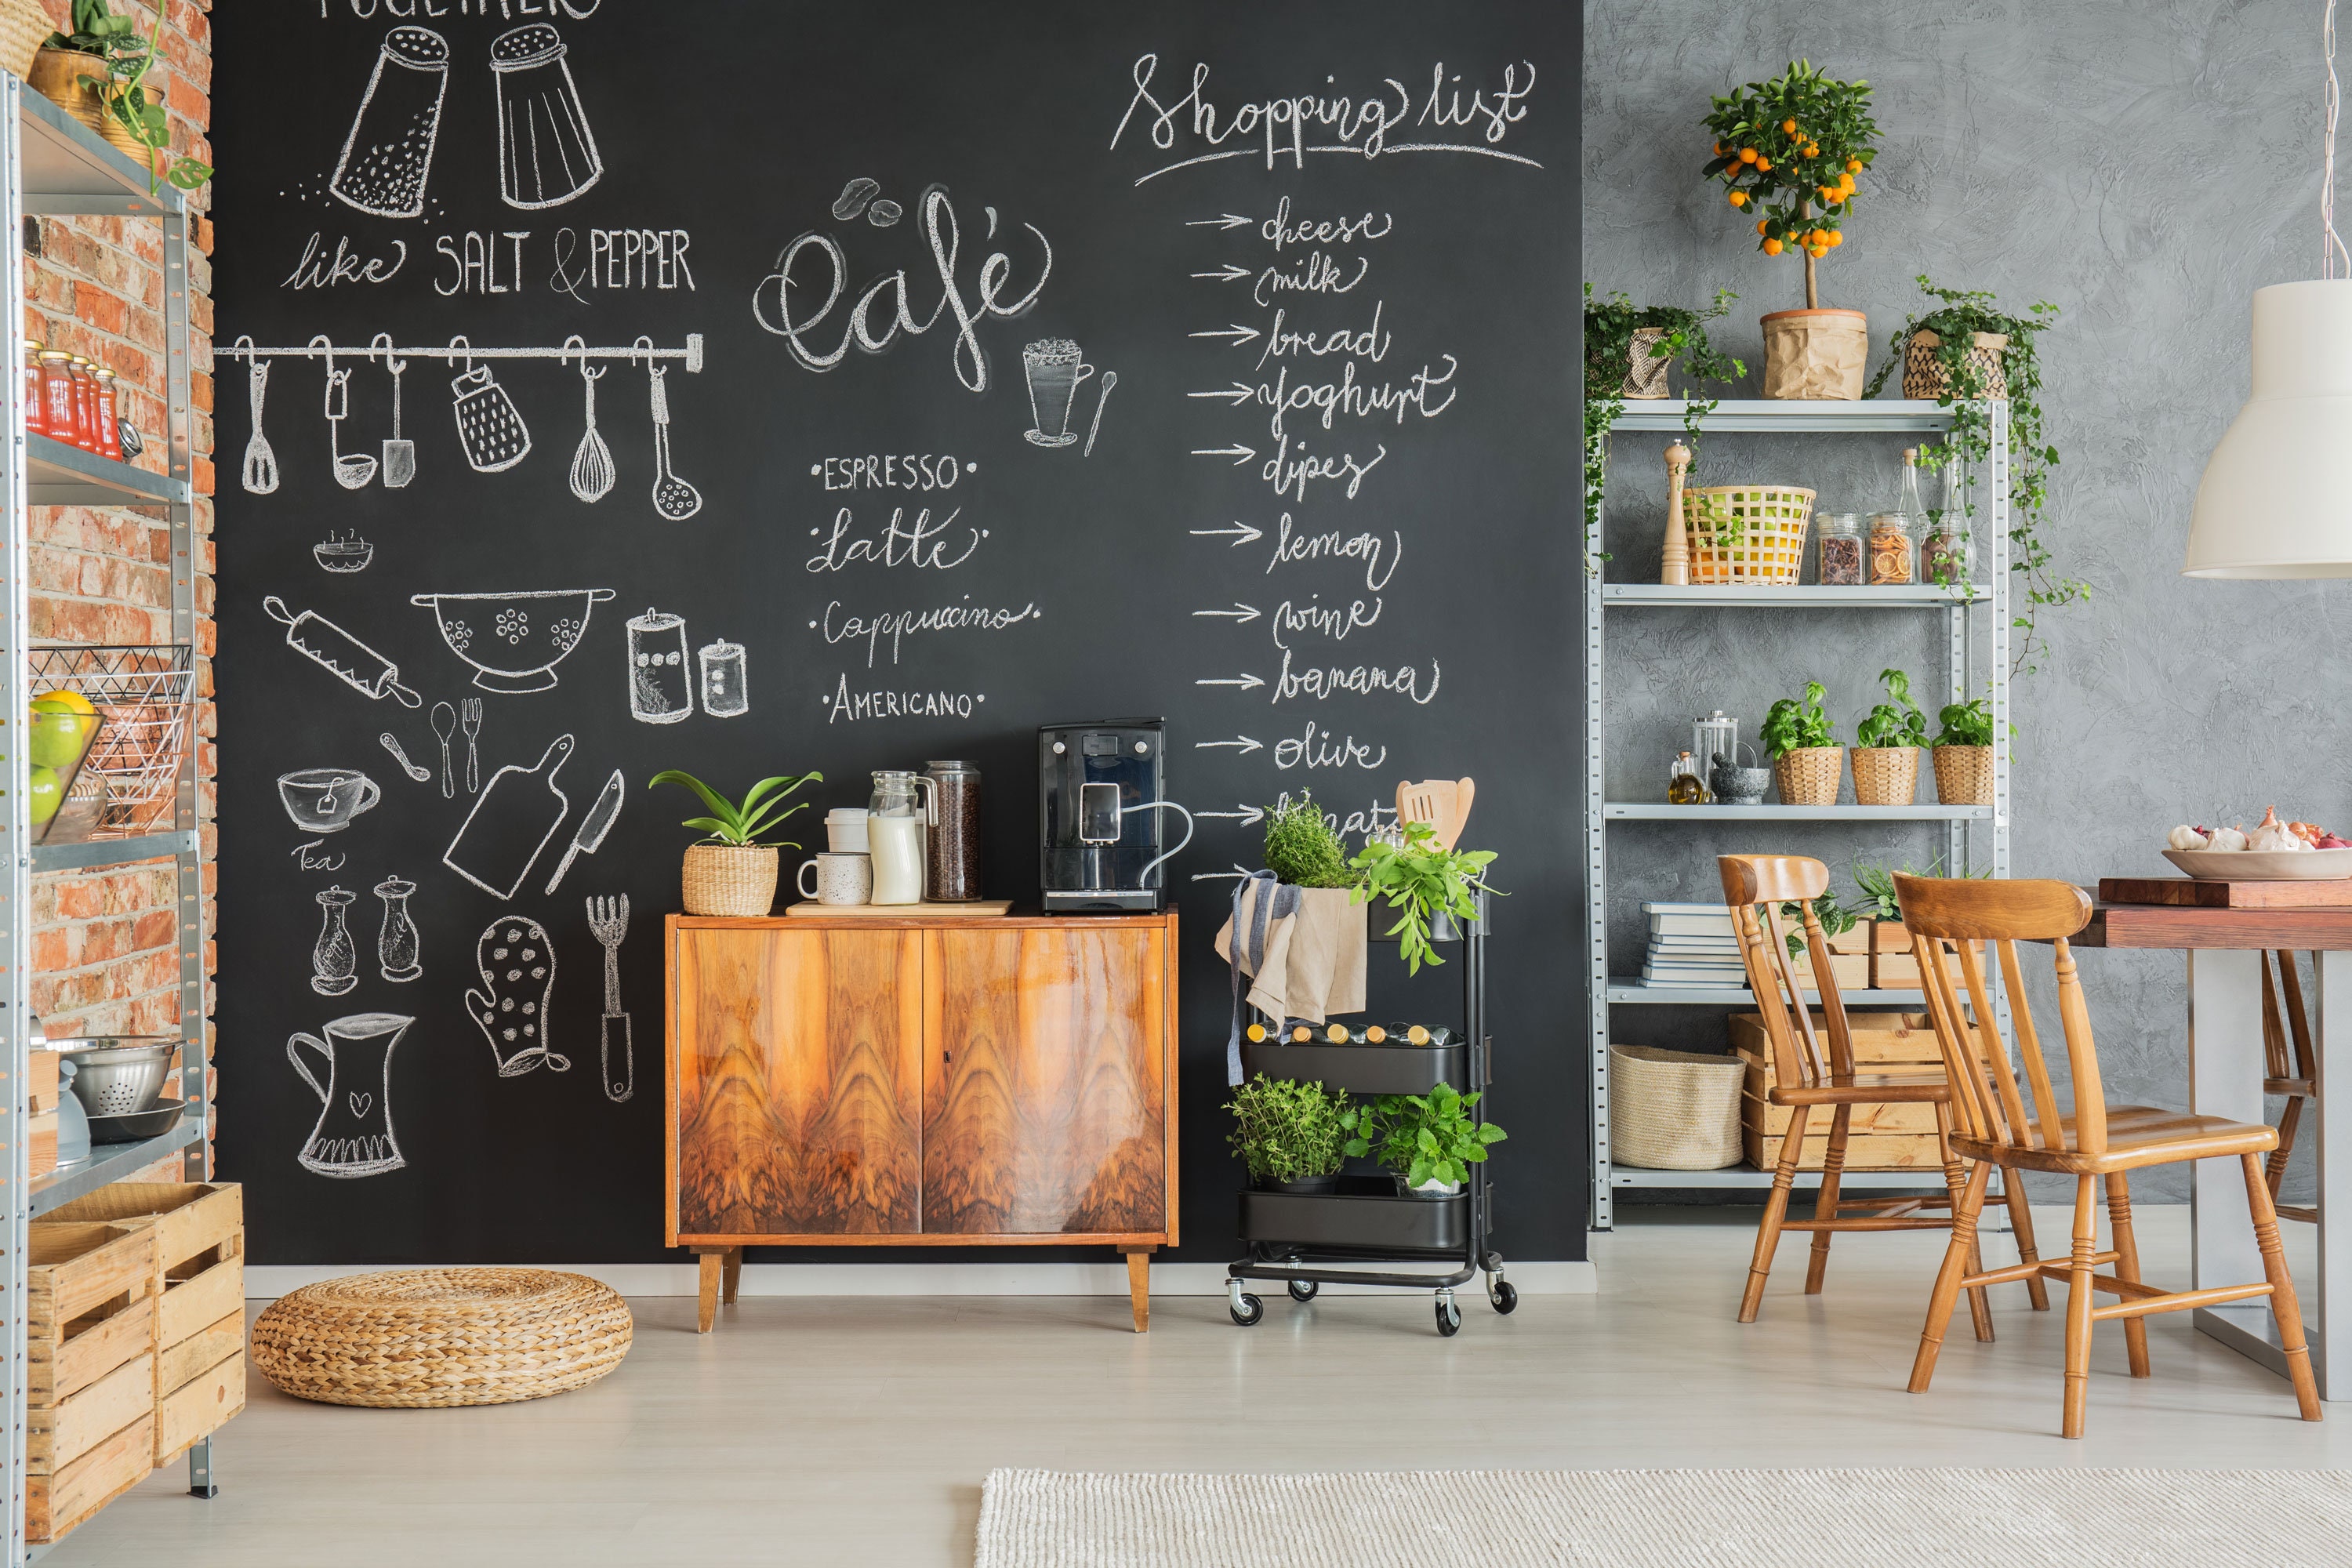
(1788, 153)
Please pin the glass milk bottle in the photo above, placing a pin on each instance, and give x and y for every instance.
(894, 836)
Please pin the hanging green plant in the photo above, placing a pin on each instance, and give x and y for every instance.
(1609, 328)
(1962, 377)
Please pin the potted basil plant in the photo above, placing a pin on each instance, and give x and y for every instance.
(1962, 752)
(1428, 1142)
(1807, 761)
(1887, 746)
(733, 871)
(1289, 1134)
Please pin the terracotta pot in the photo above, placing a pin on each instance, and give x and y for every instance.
(1886, 775)
(1809, 776)
(730, 880)
(1815, 354)
(1963, 775)
(1924, 376)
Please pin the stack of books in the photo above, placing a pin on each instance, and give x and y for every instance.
(1691, 945)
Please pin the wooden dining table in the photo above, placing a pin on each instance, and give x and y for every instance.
(2225, 1079)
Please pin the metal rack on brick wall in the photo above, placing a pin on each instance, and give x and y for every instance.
(140, 791)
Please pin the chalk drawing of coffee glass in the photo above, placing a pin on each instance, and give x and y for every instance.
(1055, 368)
(353, 1137)
(324, 800)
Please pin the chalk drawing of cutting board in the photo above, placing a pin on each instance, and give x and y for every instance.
(518, 812)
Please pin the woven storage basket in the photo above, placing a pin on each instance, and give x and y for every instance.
(730, 880)
(1963, 776)
(23, 26)
(1924, 376)
(1645, 372)
(419, 1338)
(1886, 775)
(1747, 535)
(1808, 775)
(1673, 1111)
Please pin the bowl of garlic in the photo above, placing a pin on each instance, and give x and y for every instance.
(2271, 851)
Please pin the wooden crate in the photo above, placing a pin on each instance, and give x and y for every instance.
(198, 1375)
(1883, 1042)
(1866, 1151)
(55, 1504)
(89, 1374)
(41, 1081)
(41, 1143)
(1762, 1116)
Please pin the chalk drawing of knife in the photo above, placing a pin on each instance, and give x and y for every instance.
(593, 826)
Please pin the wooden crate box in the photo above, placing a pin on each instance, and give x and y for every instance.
(1756, 1112)
(90, 1314)
(1883, 1042)
(1864, 1152)
(198, 1381)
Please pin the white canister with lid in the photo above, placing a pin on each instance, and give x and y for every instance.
(845, 830)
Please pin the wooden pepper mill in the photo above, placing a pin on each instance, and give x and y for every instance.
(1676, 570)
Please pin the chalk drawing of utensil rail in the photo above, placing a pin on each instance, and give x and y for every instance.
(519, 811)
(340, 654)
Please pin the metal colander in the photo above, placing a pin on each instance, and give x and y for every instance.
(118, 1075)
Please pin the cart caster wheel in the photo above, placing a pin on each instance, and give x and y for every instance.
(1449, 1315)
(1505, 1297)
(1303, 1289)
(1246, 1309)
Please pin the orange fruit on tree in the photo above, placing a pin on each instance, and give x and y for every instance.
(1854, 165)
(1788, 128)
(1813, 151)
(1748, 154)
(1761, 225)
(1771, 247)
(1739, 198)
(1837, 237)
(1720, 150)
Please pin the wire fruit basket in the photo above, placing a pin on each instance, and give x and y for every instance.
(129, 775)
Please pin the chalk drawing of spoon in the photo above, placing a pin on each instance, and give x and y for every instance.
(673, 497)
(391, 744)
(1109, 380)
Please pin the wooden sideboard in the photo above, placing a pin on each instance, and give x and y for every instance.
(922, 1081)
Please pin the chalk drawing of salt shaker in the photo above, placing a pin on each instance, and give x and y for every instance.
(335, 961)
(396, 944)
(546, 155)
(723, 696)
(661, 682)
(389, 153)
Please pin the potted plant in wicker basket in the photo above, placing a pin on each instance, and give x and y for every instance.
(1628, 351)
(1807, 761)
(733, 872)
(1887, 746)
(1962, 752)
(1781, 146)
(1289, 1134)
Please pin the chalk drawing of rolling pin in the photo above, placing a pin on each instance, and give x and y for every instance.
(340, 654)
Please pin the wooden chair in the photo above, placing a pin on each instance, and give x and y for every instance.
(2098, 1144)
(1805, 1076)
(1443, 804)
(2296, 1076)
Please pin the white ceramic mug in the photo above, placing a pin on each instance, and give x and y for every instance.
(840, 879)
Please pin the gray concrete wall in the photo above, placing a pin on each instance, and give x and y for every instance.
(2145, 166)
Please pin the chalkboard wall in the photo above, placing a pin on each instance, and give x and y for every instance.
(1317, 506)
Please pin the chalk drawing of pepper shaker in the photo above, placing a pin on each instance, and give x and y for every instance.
(389, 153)
(396, 944)
(661, 682)
(335, 961)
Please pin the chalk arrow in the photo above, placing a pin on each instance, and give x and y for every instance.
(1239, 333)
(1248, 815)
(1224, 220)
(1235, 875)
(1239, 454)
(1242, 614)
(1240, 393)
(1246, 682)
(1242, 531)
(1240, 742)
(1226, 274)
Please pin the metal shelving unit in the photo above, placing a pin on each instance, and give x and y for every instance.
(1975, 619)
(52, 166)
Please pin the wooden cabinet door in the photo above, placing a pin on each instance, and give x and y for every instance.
(794, 1083)
(1044, 1091)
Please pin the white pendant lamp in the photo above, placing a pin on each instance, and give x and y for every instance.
(2276, 497)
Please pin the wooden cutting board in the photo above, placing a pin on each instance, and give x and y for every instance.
(2182, 892)
(982, 908)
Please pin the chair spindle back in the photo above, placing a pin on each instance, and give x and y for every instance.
(1755, 886)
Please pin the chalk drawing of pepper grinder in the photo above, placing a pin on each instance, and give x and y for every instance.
(396, 944)
(334, 962)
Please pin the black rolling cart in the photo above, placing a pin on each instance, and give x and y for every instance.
(1295, 1237)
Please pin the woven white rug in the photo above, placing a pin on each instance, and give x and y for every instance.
(1671, 1518)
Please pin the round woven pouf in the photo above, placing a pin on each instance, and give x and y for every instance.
(427, 1337)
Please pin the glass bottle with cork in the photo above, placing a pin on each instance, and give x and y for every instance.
(1946, 558)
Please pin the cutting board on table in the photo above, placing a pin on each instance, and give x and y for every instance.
(2181, 893)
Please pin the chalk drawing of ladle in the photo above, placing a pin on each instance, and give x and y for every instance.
(353, 472)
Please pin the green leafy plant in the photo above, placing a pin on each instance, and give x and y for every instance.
(122, 90)
(1793, 725)
(1874, 888)
(1609, 328)
(1427, 1137)
(1962, 314)
(1418, 878)
(1965, 723)
(1286, 1131)
(762, 809)
(1896, 722)
(1782, 145)
(1303, 848)
(1833, 917)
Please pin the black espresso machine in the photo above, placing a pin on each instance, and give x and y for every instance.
(1099, 809)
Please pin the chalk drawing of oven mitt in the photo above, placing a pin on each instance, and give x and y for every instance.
(517, 964)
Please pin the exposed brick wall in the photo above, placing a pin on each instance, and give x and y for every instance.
(104, 953)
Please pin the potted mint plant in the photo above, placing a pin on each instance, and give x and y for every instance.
(1887, 746)
(1428, 1142)
(1291, 1135)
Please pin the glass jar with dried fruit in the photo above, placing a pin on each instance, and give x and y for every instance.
(1840, 551)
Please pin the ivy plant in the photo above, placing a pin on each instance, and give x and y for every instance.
(1429, 1137)
(1896, 722)
(1782, 145)
(1417, 876)
(1955, 321)
(1287, 1132)
(1794, 726)
(1609, 328)
(128, 57)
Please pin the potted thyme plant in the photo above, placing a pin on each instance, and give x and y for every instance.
(1289, 1134)
(1628, 351)
(1962, 752)
(1965, 354)
(733, 870)
(1780, 147)
(1807, 761)
(1887, 746)
(1428, 1142)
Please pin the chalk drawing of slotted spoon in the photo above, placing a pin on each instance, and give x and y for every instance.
(260, 475)
(673, 497)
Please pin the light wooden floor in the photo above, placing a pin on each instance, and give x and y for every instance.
(859, 1431)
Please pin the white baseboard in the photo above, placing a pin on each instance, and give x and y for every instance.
(936, 1279)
